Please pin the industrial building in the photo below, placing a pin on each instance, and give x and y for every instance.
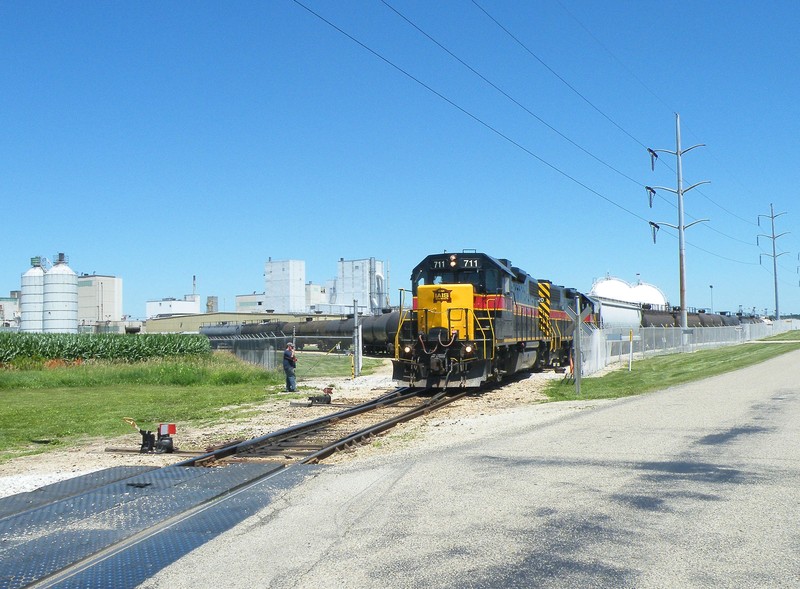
(188, 305)
(286, 290)
(53, 299)
(9, 310)
(285, 286)
(49, 297)
(99, 299)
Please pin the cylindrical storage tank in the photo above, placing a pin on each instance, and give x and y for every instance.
(60, 300)
(227, 330)
(656, 318)
(340, 331)
(31, 302)
(620, 315)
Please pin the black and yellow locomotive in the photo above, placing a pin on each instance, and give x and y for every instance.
(475, 318)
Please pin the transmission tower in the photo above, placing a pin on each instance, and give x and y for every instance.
(772, 216)
(681, 226)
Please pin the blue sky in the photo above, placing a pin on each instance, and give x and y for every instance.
(157, 141)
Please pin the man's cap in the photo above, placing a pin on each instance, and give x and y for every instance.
(290, 345)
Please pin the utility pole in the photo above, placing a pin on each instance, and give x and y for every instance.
(711, 286)
(772, 216)
(681, 226)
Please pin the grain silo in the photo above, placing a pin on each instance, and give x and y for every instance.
(31, 303)
(60, 306)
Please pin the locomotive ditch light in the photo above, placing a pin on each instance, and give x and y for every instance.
(407, 349)
(467, 350)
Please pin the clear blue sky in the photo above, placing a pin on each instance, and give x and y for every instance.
(155, 141)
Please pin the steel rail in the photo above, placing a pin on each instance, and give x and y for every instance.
(378, 428)
(390, 398)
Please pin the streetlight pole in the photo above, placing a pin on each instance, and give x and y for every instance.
(711, 286)
(681, 226)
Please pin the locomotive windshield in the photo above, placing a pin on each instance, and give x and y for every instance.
(484, 281)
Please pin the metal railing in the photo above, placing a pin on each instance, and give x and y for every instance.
(602, 347)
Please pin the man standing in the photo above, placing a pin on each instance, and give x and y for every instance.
(289, 362)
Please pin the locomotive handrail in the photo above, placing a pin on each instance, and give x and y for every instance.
(482, 329)
(401, 321)
(555, 340)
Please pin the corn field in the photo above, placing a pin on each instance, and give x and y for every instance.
(127, 347)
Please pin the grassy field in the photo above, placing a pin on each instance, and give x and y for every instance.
(47, 406)
(660, 372)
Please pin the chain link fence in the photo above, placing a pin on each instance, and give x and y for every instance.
(601, 347)
(267, 350)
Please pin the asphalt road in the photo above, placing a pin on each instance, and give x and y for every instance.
(694, 486)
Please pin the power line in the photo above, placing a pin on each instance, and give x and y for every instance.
(556, 74)
(590, 103)
(657, 97)
(469, 114)
(508, 96)
(491, 128)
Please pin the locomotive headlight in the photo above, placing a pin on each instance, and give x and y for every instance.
(467, 350)
(453, 261)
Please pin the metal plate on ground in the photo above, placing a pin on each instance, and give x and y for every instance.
(67, 488)
(38, 543)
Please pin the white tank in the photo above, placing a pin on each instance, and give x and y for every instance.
(60, 308)
(619, 290)
(31, 302)
(612, 288)
(649, 293)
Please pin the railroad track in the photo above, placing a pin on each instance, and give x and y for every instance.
(119, 533)
(315, 440)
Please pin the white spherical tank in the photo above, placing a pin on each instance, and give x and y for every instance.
(31, 302)
(649, 293)
(60, 309)
(612, 288)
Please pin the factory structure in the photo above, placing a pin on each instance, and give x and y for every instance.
(362, 283)
(54, 299)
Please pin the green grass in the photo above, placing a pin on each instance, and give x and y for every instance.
(43, 408)
(660, 372)
(320, 365)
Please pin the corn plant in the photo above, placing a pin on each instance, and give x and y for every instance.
(127, 347)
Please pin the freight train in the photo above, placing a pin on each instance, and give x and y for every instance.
(474, 318)
(377, 332)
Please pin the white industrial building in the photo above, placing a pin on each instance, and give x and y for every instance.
(188, 305)
(99, 299)
(357, 280)
(285, 286)
(9, 310)
(286, 290)
(53, 299)
(250, 303)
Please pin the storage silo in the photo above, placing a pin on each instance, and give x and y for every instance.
(31, 302)
(60, 309)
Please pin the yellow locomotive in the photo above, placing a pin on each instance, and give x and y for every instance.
(475, 318)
